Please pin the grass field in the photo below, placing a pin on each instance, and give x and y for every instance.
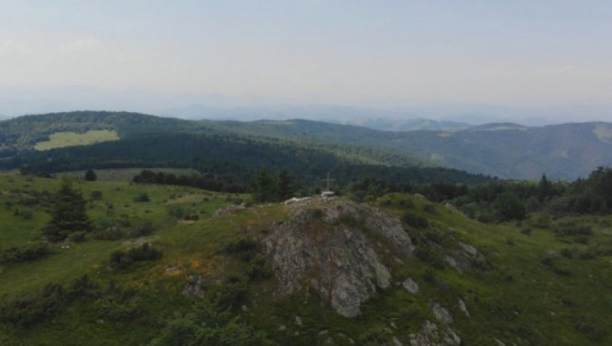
(513, 297)
(71, 139)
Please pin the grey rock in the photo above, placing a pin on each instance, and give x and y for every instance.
(298, 320)
(396, 342)
(499, 342)
(441, 313)
(463, 308)
(411, 286)
(194, 288)
(229, 210)
(335, 256)
(470, 249)
(431, 335)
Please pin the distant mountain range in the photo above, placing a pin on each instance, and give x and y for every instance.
(504, 150)
(398, 124)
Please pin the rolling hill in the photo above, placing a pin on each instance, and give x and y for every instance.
(206, 271)
(505, 150)
(80, 140)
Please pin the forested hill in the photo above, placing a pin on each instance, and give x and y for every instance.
(59, 142)
(505, 150)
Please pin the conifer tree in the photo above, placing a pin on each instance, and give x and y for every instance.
(67, 214)
(264, 190)
(285, 188)
(90, 175)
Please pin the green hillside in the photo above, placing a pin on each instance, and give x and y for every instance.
(496, 282)
(226, 156)
(566, 151)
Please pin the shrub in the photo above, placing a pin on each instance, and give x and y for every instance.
(140, 230)
(257, 269)
(22, 254)
(96, 195)
(142, 197)
(25, 214)
(110, 233)
(77, 237)
(429, 208)
(28, 310)
(526, 231)
(176, 212)
(123, 260)
(415, 221)
(241, 244)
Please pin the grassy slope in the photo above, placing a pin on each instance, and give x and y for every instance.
(70, 139)
(520, 299)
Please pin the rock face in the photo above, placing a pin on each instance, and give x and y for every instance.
(336, 249)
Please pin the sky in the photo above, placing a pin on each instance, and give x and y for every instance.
(551, 56)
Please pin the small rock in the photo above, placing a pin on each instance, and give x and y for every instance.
(411, 286)
(441, 313)
(282, 327)
(396, 342)
(499, 342)
(298, 320)
(463, 307)
(323, 332)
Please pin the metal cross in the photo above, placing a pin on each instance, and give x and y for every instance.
(328, 180)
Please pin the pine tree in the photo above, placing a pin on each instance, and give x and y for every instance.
(544, 189)
(264, 190)
(90, 175)
(285, 188)
(67, 214)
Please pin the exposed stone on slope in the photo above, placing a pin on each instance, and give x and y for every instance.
(229, 210)
(462, 258)
(333, 248)
(463, 308)
(431, 335)
(411, 286)
(441, 313)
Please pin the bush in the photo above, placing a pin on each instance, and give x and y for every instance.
(96, 195)
(431, 255)
(241, 245)
(257, 270)
(110, 233)
(28, 310)
(429, 208)
(22, 254)
(142, 197)
(176, 212)
(123, 260)
(25, 214)
(140, 230)
(415, 221)
(526, 231)
(77, 237)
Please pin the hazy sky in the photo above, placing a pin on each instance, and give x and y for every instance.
(385, 53)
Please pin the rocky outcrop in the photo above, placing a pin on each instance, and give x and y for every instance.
(336, 249)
